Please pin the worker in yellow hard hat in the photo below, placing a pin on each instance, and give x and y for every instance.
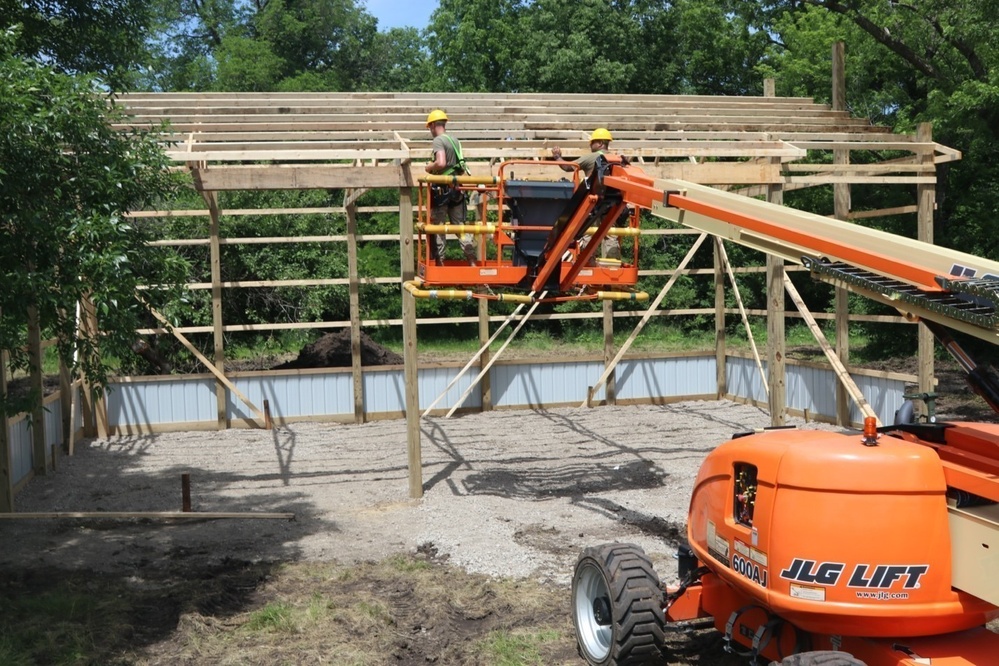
(610, 247)
(447, 203)
(599, 142)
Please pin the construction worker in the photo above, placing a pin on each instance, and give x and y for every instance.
(447, 203)
(600, 140)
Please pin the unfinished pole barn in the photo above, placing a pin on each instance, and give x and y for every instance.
(354, 143)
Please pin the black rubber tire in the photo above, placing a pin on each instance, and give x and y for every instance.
(819, 658)
(620, 577)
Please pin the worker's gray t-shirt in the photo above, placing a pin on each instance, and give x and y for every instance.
(587, 162)
(443, 142)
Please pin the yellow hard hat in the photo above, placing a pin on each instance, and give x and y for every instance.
(600, 134)
(435, 116)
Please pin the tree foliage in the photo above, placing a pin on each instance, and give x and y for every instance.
(66, 180)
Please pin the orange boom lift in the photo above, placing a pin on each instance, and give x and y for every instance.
(804, 548)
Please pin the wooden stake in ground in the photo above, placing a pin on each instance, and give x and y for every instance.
(644, 320)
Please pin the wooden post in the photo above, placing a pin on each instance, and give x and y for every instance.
(355, 313)
(87, 406)
(65, 403)
(926, 200)
(39, 455)
(6, 473)
(776, 351)
(611, 384)
(841, 211)
(218, 338)
(769, 88)
(407, 261)
(721, 378)
(485, 386)
(185, 492)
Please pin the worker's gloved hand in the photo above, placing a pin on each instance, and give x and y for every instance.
(556, 153)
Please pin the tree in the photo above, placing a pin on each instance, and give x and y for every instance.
(475, 45)
(66, 181)
(101, 37)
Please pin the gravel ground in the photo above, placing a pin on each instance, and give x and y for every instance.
(506, 493)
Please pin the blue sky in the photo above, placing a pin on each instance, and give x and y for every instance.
(401, 13)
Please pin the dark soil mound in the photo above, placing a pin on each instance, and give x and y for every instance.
(333, 351)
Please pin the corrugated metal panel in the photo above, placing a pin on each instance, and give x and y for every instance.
(814, 389)
(884, 396)
(743, 378)
(52, 418)
(433, 381)
(181, 401)
(295, 395)
(516, 385)
(384, 392)
(811, 388)
(536, 385)
(20, 451)
(665, 377)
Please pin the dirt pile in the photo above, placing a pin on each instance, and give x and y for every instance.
(333, 351)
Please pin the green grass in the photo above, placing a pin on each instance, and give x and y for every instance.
(53, 627)
(505, 648)
(279, 617)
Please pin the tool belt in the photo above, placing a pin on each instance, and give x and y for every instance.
(446, 195)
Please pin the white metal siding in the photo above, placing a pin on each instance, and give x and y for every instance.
(181, 401)
(295, 395)
(665, 377)
(20, 451)
(514, 385)
(433, 381)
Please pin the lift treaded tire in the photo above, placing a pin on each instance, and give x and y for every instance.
(617, 607)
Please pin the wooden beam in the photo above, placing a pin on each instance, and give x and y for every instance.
(841, 211)
(721, 378)
(355, 309)
(742, 313)
(146, 515)
(39, 454)
(407, 269)
(841, 372)
(218, 339)
(6, 464)
(611, 383)
(776, 346)
(926, 197)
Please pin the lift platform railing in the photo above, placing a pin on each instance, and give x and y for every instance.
(530, 235)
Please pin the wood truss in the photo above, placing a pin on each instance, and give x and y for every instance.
(272, 141)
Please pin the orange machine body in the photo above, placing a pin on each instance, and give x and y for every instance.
(834, 536)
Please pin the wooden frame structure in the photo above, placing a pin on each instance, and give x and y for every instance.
(355, 142)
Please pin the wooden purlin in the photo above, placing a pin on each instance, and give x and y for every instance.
(260, 141)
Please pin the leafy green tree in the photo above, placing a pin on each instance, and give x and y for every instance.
(101, 37)
(932, 61)
(475, 45)
(66, 180)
